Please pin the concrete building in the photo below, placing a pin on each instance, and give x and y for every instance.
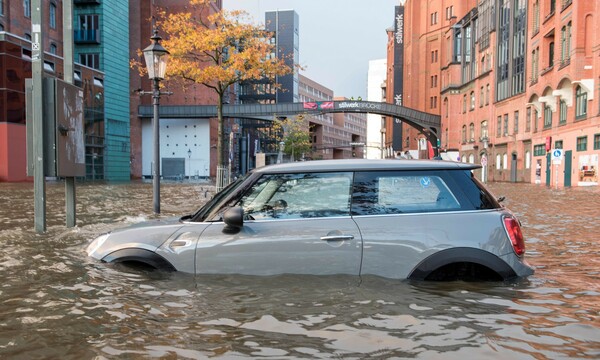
(375, 123)
(512, 80)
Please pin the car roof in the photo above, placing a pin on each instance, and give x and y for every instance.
(365, 165)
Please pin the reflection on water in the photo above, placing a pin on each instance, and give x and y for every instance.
(57, 303)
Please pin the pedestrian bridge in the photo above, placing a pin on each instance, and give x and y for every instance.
(429, 124)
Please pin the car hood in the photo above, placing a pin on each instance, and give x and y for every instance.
(147, 235)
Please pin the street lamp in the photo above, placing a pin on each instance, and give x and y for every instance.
(156, 63)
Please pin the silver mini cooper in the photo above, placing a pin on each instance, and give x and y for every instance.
(401, 219)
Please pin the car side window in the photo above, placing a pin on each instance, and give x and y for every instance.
(396, 192)
(297, 196)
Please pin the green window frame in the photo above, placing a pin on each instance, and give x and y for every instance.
(539, 150)
(580, 103)
(562, 119)
(582, 143)
(596, 141)
(547, 117)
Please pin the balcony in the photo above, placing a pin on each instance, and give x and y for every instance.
(86, 2)
(83, 36)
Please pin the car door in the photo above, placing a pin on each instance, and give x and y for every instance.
(296, 223)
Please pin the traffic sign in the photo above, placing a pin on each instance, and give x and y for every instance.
(557, 155)
(484, 160)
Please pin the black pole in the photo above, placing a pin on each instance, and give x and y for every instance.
(156, 167)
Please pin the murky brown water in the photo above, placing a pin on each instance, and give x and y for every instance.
(56, 303)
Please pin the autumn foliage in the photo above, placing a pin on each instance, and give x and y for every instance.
(218, 48)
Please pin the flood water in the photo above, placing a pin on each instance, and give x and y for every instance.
(56, 303)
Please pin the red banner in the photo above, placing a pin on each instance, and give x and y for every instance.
(310, 105)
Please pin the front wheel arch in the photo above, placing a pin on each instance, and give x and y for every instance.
(140, 256)
(476, 258)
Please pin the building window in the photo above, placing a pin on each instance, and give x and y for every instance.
(498, 161)
(449, 12)
(597, 142)
(518, 48)
(457, 46)
(90, 60)
(503, 50)
(539, 150)
(471, 132)
(53, 48)
(536, 17)
(528, 120)
(552, 7)
(52, 15)
(547, 117)
(527, 159)
(562, 117)
(484, 130)
(28, 36)
(499, 126)
(582, 143)
(472, 100)
(49, 66)
(558, 144)
(434, 18)
(2, 9)
(505, 124)
(505, 161)
(580, 103)
(27, 8)
(487, 94)
(464, 103)
(464, 134)
(535, 55)
(551, 54)
(516, 128)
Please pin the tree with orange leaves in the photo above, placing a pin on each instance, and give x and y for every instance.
(218, 49)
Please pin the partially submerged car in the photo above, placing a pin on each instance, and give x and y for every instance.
(401, 219)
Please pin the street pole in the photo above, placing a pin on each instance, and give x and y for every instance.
(70, 193)
(156, 169)
(37, 71)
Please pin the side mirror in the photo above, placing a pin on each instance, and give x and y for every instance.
(233, 219)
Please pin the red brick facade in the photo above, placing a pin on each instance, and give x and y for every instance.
(501, 101)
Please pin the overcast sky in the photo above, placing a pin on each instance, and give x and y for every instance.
(337, 37)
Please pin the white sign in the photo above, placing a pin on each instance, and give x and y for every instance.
(484, 160)
(557, 155)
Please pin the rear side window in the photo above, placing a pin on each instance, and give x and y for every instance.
(397, 192)
(474, 190)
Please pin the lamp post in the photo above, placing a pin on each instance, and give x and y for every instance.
(156, 63)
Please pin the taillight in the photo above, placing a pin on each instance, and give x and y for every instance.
(514, 233)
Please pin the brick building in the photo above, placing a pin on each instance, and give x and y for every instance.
(15, 67)
(512, 80)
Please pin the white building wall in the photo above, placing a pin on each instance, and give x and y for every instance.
(177, 136)
(376, 76)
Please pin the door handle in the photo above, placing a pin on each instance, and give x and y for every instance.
(337, 237)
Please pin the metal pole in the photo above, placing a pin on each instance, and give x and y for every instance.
(156, 168)
(37, 71)
(70, 193)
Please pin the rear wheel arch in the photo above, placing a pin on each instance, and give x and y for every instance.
(139, 256)
(452, 260)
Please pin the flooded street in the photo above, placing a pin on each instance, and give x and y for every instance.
(57, 303)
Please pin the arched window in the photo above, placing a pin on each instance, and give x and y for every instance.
(505, 161)
(53, 48)
(464, 103)
(527, 159)
(471, 159)
(580, 103)
(464, 134)
(446, 107)
(498, 161)
(471, 132)
(472, 107)
(484, 129)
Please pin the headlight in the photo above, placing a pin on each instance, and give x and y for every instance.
(96, 243)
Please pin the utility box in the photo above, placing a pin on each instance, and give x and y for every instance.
(63, 134)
